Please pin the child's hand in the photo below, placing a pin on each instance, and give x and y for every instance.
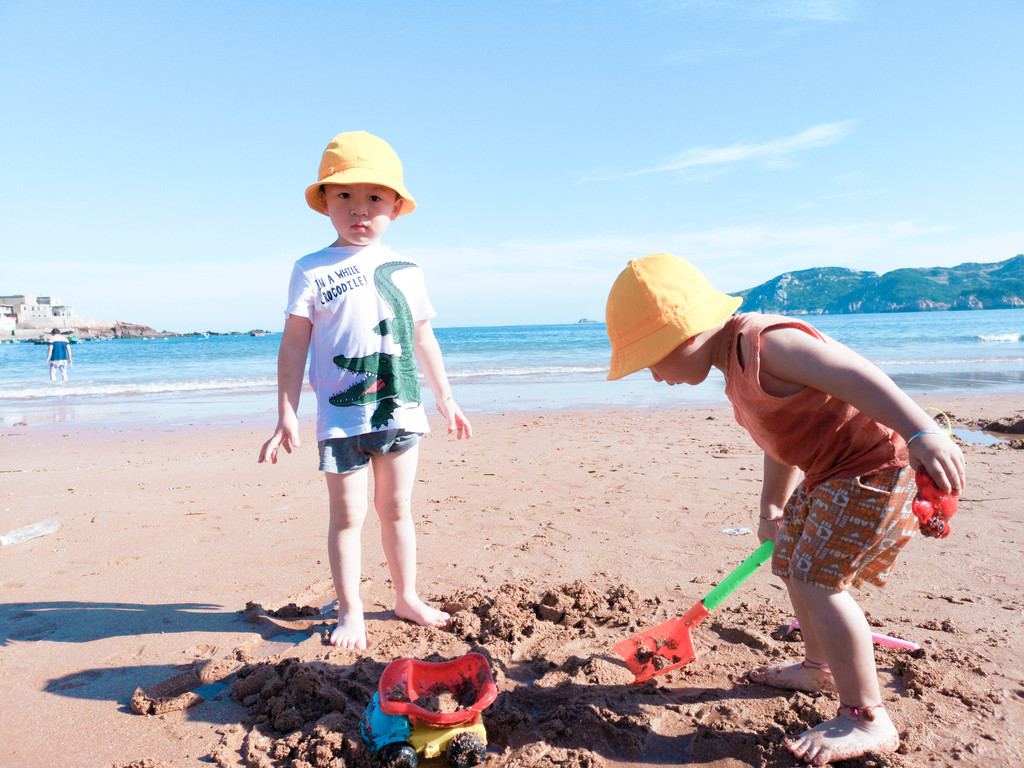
(941, 458)
(285, 436)
(768, 529)
(455, 419)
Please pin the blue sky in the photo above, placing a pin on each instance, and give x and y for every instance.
(155, 153)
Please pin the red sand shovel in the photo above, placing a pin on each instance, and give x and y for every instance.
(669, 645)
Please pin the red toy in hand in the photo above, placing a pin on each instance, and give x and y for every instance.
(932, 507)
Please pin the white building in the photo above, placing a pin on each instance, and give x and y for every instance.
(32, 310)
(8, 320)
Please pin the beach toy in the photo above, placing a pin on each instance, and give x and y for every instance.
(669, 645)
(430, 708)
(932, 507)
(886, 640)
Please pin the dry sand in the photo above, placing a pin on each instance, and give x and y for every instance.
(183, 566)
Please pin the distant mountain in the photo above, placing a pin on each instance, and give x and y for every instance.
(838, 291)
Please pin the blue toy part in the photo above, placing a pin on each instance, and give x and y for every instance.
(379, 729)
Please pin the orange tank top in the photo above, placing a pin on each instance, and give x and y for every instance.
(825, 437)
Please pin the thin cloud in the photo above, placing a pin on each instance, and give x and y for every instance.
(738, 251)
(810, 10)
(787, 10)
(564, 280)
(775, 153)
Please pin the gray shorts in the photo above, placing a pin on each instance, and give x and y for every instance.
(342, 455)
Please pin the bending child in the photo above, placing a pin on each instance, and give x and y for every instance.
(58, 354)
(363, 310)
(839, 438)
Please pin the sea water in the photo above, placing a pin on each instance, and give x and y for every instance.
(492, 370)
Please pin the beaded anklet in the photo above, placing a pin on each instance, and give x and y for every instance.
(819, 665)
(862, 713)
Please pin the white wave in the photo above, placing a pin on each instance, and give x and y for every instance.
(69, 389)
(1003, 337)
(950, 361)
(547, 370)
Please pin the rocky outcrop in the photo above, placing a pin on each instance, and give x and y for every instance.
(835, 290)
(81, 328)
(122, 330)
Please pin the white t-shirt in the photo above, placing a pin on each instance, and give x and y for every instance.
(363, 303)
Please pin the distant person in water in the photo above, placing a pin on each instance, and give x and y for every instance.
(58, 355)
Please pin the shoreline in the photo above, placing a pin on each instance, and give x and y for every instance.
(964, 411)
(138, 418)
(212, 407)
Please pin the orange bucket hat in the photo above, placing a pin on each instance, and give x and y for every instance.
(656, 304)
(358, 157)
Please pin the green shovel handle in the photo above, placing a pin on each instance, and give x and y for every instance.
(738, 576)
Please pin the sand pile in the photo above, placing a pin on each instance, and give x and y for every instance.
(565, 700)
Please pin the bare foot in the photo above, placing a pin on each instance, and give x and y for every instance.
(795, 676)
(351, 631)
(846, 736)
(420, 613)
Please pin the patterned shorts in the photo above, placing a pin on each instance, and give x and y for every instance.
(846, 532)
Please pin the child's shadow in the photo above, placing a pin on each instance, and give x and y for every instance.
(79, 622)
(268, 633)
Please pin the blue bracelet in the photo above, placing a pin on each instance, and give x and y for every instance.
(912, 438)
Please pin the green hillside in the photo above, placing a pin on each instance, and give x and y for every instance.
(835, 290)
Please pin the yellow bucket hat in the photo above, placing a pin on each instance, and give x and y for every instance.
(358, 157)
(656, 304)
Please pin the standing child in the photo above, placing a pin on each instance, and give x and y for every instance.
(366, 311)
(817, 408)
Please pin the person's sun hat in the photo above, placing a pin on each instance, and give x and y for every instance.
(656, 304)
(358, 157)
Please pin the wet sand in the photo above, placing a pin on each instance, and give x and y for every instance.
(177, 617)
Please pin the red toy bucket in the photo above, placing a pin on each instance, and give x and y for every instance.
(466, 679)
